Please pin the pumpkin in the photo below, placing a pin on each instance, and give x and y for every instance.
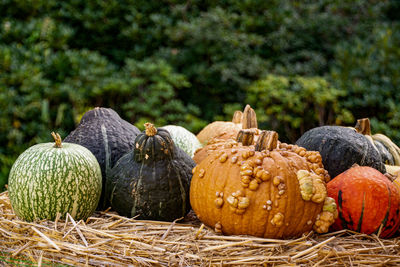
(107, 136)
(367, 201)
(262, 190)
(228, 129)
(183, 138)
(51, 178)
(341, 147)
(388, 150)
(216, 142)
(393, 170)
(152, 181)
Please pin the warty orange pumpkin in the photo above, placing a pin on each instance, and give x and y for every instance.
(270, 189)
(223, 135)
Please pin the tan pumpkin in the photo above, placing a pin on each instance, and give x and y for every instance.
(262, 190)
(228, 129)
(388, 150)
(394, 171)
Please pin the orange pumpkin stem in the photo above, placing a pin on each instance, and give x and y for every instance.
(246, 137)
(237, 117)
(150, 129)
(268, 140)
(57, 139)
(249, 119)
(363, 126)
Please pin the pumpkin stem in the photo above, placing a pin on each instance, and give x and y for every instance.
(150, 129)
(363, 126)
(57, 139)
(237, 117)
(390, 176)
(268, 140)
(246, 137)
(249, 119)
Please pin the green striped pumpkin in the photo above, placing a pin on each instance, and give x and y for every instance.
(183, 138)
(49, 178)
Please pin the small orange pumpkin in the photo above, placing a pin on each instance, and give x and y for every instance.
(228, 129)
(368, 202)
(262, 190)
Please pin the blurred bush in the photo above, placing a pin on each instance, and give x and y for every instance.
(292, 105)
(300, 63)
(369, 70)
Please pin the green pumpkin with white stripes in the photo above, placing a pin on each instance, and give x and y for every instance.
(52, 178)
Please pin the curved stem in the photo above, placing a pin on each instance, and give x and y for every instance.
(363, 126)
(57, 139)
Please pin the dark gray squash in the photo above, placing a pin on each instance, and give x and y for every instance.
(340, 148)
(153, 180)
(107, 136)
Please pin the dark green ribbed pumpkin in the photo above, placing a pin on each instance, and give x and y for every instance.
(340, 148)
(107, 136)
(152, 181)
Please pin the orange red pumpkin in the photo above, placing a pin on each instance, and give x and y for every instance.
(367, 201)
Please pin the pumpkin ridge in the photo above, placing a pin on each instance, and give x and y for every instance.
(210, 187)
(228, 190)
(359, 224)
(269, 188)
(385, 219)
(297, 220)
(136, 188)
(283, 203)
(343, 220)
(107, 152)
(273, 192)
(181, 187)
(393, 228)
(224, 187)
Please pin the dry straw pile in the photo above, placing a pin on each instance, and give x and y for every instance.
(107, 239)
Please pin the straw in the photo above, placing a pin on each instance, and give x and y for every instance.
(108, 239)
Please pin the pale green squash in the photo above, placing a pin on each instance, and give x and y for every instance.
(183, 138)
(47, 179)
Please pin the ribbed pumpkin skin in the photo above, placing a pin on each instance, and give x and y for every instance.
(340, 148)
(183, 138)
(107, 136)
(45, 180)
(218, 177)
(387, 158)
(366, 199)
(153, 180)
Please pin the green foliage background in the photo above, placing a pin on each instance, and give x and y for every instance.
(300, 64)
